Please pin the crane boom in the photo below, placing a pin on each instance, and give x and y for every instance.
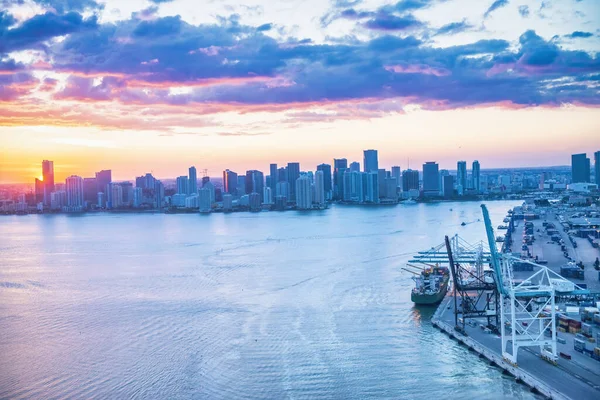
(494, 258)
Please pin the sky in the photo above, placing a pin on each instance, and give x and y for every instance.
(156, 86)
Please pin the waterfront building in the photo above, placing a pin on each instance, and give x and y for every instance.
(192, 201)
(183, 185)
(431, 179)
(178, 200)
(381, 175)
(230, 182)
(147, 181)
(227, 202)
(354, 167)
(391, 188)
(283, 189)
(372, 193)
(267, 195)
(90, 193)
(273, 177)
(410, 180)
(192, 181)
(39, 191)
(101, 201)
(303, 193)
(476, 176)
(254, 201)
(58, 200)
(244, 201)
(211, 188)
(138, 197)
(205, 199)
(116, 195)
(280, 203)
(327, 182)
(339, 166)
(293, 173)
(255, 182)
(370, 161)
(447, 186)
(103, 178)
(74, 189)
(48, 178)
(597, 167)
(396, 173)
(319, 188)
(159, 194)
(580, 168)
(127, 188)
(461, 177)
(241, 185)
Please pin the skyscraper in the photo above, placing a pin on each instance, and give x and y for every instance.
(74, 189)
(370, 162)
(476, 176)
(597, 167)
(127, 189)
(326, 168)
(320, 188)
(372, 194)
(381, 175)
(448, 186)
(293, 171)
(354, 167)
(39, 190)
(410, 180)
(90, 186)
(230, 182)
(303, 193)
(339, 166)
(103, 178)
(159, 193)
(182, 185)
(192, 181)
(267, 195)
(461, 177)
(137, 197)
(396, 174)
(255, 182)
(204, 200)
(274, 177)
(48, 175)
(431, 178)
(580, 168)
(116, 195)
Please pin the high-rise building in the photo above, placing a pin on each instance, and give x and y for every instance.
(90, 193)
(476, 175)
(255, 182)
(461, 177)
(580, 168)
(447, 186)
(213, 192)
(431, 178)
(410, 180)
(137, 197)
(274, 177)
(192, 181)
(241, 185)
(254, 201)
(283, 189)
(74, 189)
(159, 194)
(39, 190)
(396, 174)
(267, 195)
(116, 195)
(326, 168)
(127, 189)
(320, 188)
(182, 185)
(391, 189)
(101, 201)
(230, 179)
(339, 166)
(293, 172)
(205, 179)
(227, 202)
(303, 193)
(205, 200)
(597, 167)
(48, 175)
(103, 178)
(58, 200)
(370, 162)
(354, 167)
(372, 194)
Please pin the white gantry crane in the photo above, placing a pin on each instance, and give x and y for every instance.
(527, 306)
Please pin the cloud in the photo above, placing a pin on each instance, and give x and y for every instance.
(579, 34)
(264, 27)
(160, 1)
(453, 28)
(387, 22)
(63, 6)
(495, 5)
(524, 11)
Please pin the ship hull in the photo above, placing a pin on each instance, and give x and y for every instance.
(430, 299)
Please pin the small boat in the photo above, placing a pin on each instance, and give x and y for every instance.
(463, 224)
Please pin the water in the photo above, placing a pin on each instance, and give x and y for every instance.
(252, 306)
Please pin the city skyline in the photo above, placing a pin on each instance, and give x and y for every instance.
(165, 84)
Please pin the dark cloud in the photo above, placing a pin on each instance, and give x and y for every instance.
(495, 5)
(579, 34)
(264, 27)
(159, 27)
(387, 22)
(42, 27)
(524, 11)
(453, 28)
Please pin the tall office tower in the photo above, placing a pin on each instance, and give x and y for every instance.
(230, 182)
(303, 193)
(74, 189)
(90, 187)
(192, 181)
(147, 182)
(267, 195)
(410, 180)
(391, 189)
(381, 175)
(103, 178)
(476, 176)
(183, 185)
(347, 194)
(431, 178)
(255, 182)
(293, 171)
(354, 167)
(274, 177)
(39, 190)
(396, 174)
(372, 194)
(447, 186)
(127, 189)
(48, 175)
(283, 189)
(597, 167)
(461, 177)
(211, 188)
(159, 194)
(339, 166)
(320, 188)
(204, 200)
(138, 197)
(241, 185)
(370, 162)
(326, 168)
(443, 173)
(205, 179)
(580, 168)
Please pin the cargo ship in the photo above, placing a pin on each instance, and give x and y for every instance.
(431, 285)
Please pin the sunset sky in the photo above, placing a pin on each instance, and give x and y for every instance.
(139, 86)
